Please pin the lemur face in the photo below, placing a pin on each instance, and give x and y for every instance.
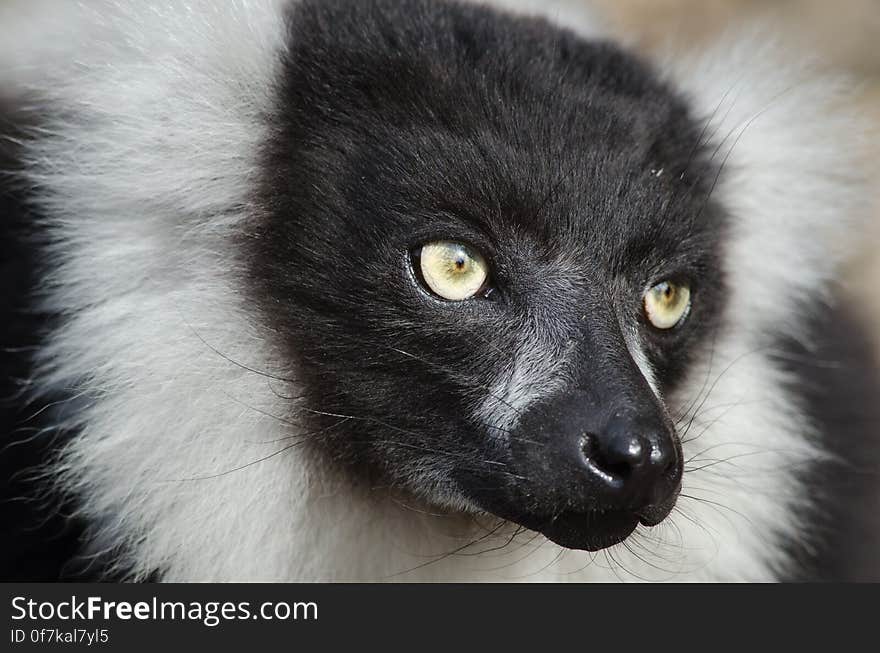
(490, 280)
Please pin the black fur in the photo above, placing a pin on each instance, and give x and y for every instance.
(575, 171)
(838, 387)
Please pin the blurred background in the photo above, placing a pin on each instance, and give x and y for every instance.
(845, 34)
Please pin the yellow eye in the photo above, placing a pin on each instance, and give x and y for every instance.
(452, 270)
(667, 304)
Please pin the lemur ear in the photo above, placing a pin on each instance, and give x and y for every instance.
(793, 146)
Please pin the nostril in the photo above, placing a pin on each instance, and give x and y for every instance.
(673, 467)
(617, 470)
(664, 459)
(589, 445)
(617, 459)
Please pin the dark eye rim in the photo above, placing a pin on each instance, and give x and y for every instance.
(486, 292)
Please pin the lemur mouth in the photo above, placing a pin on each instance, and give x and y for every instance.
(594, 531)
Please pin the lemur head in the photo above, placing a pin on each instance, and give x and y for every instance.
(491, 249)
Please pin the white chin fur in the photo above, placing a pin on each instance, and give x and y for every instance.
(148, 276)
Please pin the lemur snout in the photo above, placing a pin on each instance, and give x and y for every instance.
(624, 460)
(598, 465)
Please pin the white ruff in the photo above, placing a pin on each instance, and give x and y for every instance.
(146, 181)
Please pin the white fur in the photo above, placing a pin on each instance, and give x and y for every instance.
(637, 353)
(575, 15)
(147, 182)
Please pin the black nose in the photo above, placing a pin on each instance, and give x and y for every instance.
(633, 463)
(601, 456)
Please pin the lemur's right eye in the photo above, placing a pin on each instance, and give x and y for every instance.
(452, 270)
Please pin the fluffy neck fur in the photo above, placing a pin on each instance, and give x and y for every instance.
(186, 460)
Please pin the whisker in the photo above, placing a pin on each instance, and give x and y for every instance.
(235, 469)
(440, 558)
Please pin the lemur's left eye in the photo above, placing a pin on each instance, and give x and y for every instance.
(667, 304)
(452, 270)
